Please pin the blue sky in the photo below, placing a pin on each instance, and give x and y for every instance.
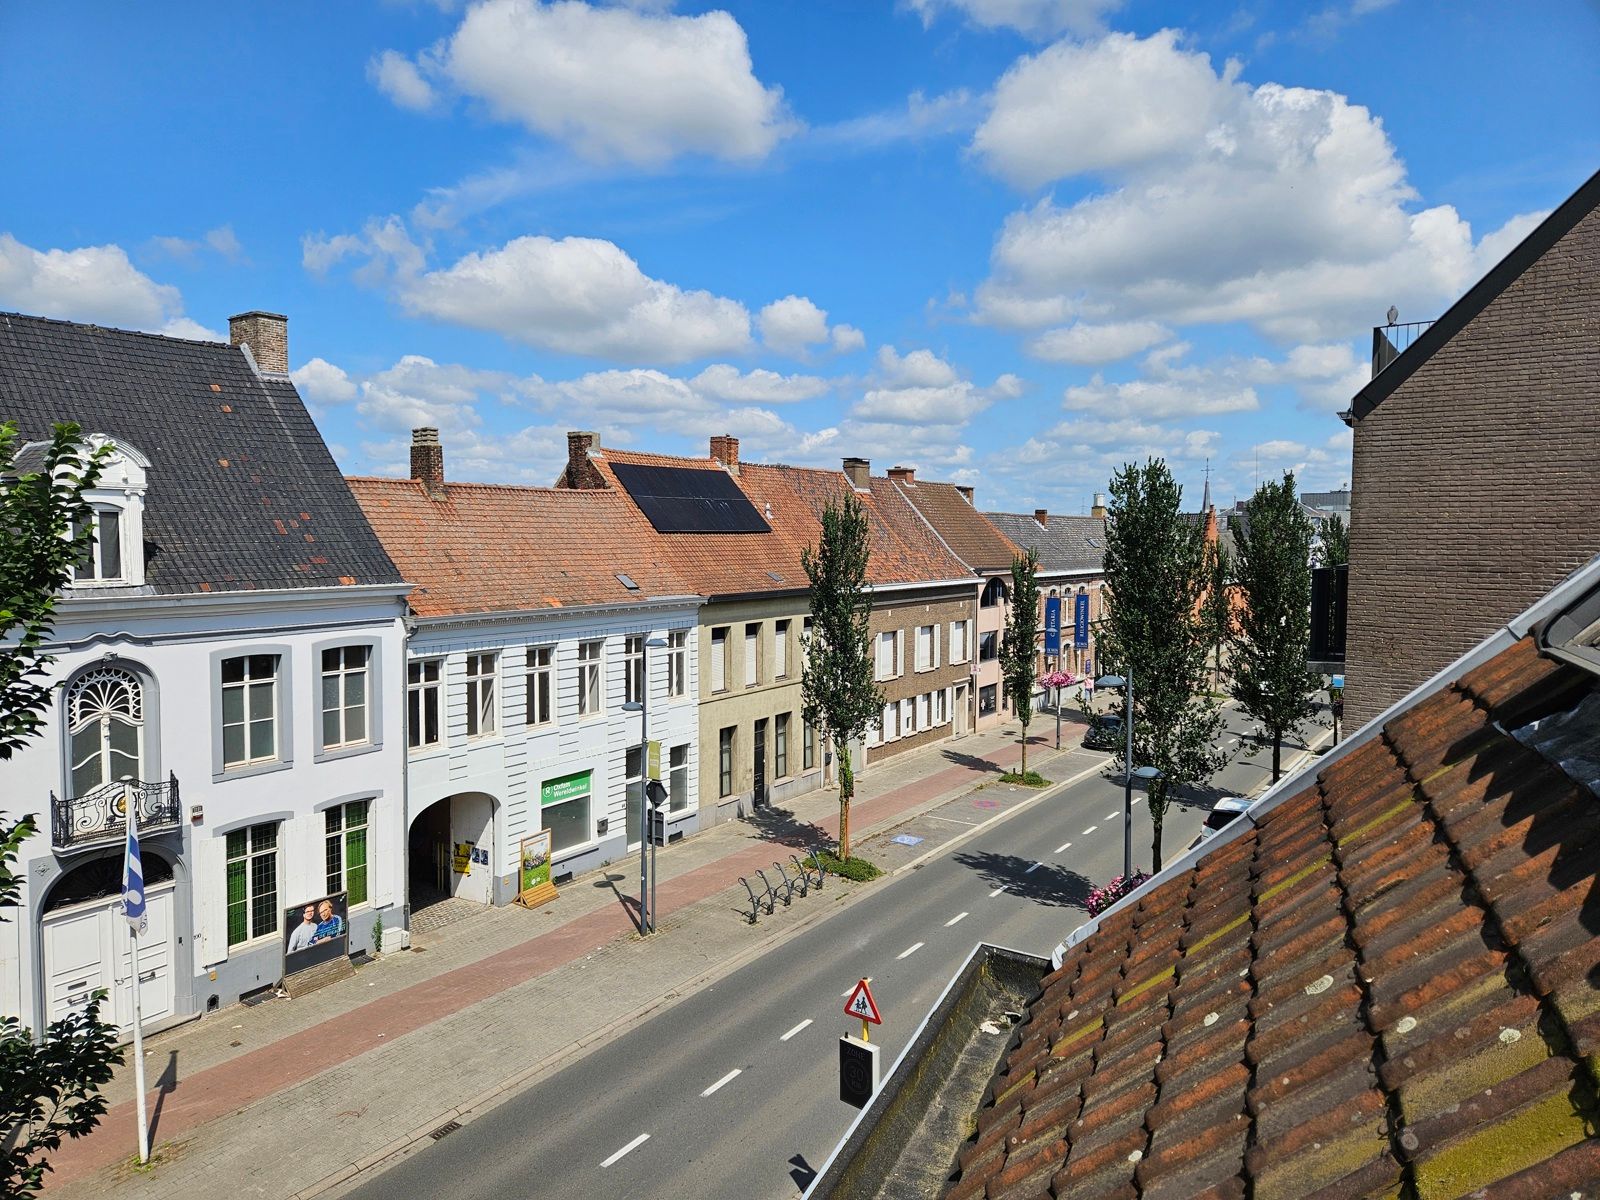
(1010, 242)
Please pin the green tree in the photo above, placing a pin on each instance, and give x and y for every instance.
(1019, 651)
(1270, 679)
(49, 1089)
(838, 694)
(1151, 631)
(1216, 609)
(1335, 550)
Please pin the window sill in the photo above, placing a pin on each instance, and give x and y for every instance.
(247, 771)
(426, 750)
(346, 752)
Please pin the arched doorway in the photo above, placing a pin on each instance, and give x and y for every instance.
(450, 850)
(86, 945)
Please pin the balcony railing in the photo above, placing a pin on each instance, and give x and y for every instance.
(101, 817)
(1388, 341)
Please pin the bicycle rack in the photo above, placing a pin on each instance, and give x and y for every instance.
(755, 899)
(809, 873)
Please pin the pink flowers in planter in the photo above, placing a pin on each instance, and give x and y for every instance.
(1058, 679)
(1103, 898)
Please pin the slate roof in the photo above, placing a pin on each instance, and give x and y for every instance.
(243, 493)
(790, 499)
(1387, 984)
(970, 536)
(495, 548)
(1063, 544)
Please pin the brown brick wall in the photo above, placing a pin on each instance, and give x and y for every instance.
(906, 613)
(1477, 481)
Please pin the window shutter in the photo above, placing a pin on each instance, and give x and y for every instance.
(900, 651)
(210, 898)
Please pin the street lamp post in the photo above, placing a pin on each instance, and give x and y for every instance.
(1130, 772)
(647, 898)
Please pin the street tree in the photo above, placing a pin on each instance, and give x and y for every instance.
(49, 1089)
(1270, 678)
(1335, 542)
(838, 694)
(1019, 651)
(1216, 609)
(1151, 631)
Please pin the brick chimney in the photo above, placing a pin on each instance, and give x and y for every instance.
(967, 493)
(725, 450)
(267, 335)
(904, 475)
(1099, 509)
(582, 474)
(859, 472)
(1042, 515)
(427, 461)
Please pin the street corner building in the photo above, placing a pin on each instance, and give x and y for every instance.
(1384, 981)
(221, 660)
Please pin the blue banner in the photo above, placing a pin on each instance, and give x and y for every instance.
(1080, 620)
(1052, 625)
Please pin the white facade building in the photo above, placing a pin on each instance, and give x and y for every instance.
(228, 660)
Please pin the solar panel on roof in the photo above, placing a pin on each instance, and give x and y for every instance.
(686, 500)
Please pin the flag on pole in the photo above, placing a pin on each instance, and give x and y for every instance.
(133, 873)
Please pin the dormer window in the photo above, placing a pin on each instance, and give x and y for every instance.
(102, 561)
(115, 556)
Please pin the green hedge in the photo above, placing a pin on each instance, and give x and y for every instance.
(857, 869)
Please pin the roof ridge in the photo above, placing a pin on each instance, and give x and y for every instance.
(143, 333)
(541, 489)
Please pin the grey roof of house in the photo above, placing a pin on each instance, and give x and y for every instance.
(243, 492)
(1065, 543)
(1335, 500)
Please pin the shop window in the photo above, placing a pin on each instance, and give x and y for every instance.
(564, 809)
(987, 698)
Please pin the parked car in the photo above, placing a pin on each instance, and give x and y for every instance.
(1223, 813)
(1104, 733)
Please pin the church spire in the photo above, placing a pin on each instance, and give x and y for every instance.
(1205, 500)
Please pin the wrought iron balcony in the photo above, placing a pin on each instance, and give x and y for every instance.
(100, 816)
(1389, 341)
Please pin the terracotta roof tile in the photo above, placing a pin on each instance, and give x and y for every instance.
(1390, 984)
(971, 536)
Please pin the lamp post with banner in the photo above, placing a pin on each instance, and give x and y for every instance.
(133, 908)
(650, 769)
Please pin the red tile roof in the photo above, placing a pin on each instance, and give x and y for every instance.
(1390, 985)
(969, 534)
(493, 548)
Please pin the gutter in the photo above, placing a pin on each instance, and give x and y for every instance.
(504, 616)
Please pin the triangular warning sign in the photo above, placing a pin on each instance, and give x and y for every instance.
(862, 1005)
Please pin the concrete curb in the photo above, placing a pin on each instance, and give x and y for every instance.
(561, 1059)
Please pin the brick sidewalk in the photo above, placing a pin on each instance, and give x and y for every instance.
(332, 1032)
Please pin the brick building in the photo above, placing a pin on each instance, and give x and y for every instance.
(1476, 460)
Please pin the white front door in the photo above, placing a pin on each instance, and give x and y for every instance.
(88, 946)
(961, 710)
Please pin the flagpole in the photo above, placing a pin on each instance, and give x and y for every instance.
(129, 803)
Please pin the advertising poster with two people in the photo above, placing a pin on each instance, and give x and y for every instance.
(315, 932)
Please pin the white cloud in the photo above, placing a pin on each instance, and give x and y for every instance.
(1035, 18)
(792, 324)
(1096, 345)
(1160, 399)
(578, 296)
(847, 338)
(398, 78)
(321, 383)
(920, 117)
(1283, 207)
(91, 283)
(186, 327)
(723, 382)
(222, 241)
(419, 391)
(610, 83)
(920, 388)
(225, 242)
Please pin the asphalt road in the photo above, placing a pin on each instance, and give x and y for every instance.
(733, 1091)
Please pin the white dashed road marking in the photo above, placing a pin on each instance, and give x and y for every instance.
(997, 891)
(909, 950)
(633, 1145)
(1111, 816)
(1033, 868)
(728, 1078)
(795, 1030)
(1063, 846)
(1089, 830)
(954, 919)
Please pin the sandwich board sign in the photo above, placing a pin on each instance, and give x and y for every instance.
(862, 1005)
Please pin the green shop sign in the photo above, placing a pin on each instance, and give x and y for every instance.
(568, 787)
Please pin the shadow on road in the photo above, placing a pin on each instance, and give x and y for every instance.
(1049, 884)
(801, 1172)
(630, 904)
